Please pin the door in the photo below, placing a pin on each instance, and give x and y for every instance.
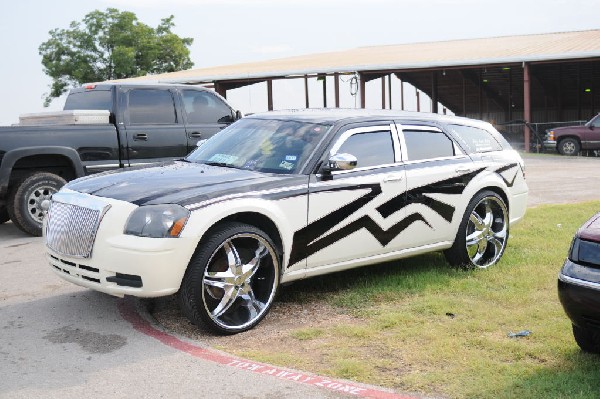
(356, 213)
(206, 114)
(154, 130)
(437, 171)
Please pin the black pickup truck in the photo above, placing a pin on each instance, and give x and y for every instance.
(147, 123)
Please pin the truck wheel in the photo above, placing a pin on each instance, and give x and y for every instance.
(231, 280)
(4, 215)
(569, 146)
(25, 201)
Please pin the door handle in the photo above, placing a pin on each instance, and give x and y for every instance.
(392, 178)
(196, 135)
(140, 136)
(462, 170)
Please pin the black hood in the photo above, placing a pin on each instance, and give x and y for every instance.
(179, 182)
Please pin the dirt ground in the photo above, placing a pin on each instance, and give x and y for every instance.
(551, 179)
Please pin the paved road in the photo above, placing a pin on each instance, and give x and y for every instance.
(61, 341)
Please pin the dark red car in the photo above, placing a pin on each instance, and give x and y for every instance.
(579, 285)
(569, 140)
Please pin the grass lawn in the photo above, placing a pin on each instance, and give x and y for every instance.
(420, 326)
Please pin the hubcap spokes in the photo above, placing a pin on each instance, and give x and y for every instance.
(486, 232)
(240, 281)
(34, 202)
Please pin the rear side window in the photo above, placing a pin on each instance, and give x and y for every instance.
(370, 148)
(475, 139)
(425, 144)
(89, 100)
(151, 107)
(205, 107)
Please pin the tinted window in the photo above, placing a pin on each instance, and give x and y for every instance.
(151, 106)
(475, 139)
(370, 149)
(205, 107)
(90, 100)
(427, 144)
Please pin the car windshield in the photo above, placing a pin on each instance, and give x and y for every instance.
(263, 145)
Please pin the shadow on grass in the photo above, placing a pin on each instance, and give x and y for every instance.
(576, 375)
(356, 288)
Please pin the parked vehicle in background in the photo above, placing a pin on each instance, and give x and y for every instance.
(570, 140)
(282, 196)
(579, 285)
(133, 124)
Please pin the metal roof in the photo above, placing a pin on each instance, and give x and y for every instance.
(454, 53)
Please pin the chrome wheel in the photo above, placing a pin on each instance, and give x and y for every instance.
(487, 232)
(240, 281)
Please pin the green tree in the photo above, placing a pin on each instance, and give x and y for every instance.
(111, 45)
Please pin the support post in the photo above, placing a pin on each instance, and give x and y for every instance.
(220, 88)
(526, 104)
(434, 92)
(383, 92)
(418, 100)
(306, 91)
(270, 95)
(390, 90)
(336, 86)
(363, 97)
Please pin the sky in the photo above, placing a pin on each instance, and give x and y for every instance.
(236, 31)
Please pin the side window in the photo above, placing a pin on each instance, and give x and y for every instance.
(151, 107)
(425, 144)
(370, 148)
(204, 107)
(475, 139)
(596, 121)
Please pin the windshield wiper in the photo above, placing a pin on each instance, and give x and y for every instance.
(222, 164)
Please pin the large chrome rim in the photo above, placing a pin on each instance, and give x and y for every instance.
(35, 199)
(487, 232)
(240, 281)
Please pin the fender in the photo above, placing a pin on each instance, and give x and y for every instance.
(11, 157)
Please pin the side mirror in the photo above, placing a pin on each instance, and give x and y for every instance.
(341, 162)
(238, 115)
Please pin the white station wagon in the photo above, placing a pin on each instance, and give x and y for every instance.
(282, 196)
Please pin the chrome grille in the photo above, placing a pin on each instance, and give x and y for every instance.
(71, 229)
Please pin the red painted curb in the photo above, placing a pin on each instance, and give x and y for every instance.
(129, 313)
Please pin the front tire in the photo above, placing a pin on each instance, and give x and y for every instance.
(25, 202)
(482, 234)
(587, 339)
(569, 147)
(232, 279)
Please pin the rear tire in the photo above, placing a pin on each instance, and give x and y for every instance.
(587, 339)
(482, 234)
(232, 279)
(25, 200)
(569, 147)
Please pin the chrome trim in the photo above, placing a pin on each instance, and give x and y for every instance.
(70, 235)
(578, 282)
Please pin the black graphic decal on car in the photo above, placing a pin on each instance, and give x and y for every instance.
(306, 241)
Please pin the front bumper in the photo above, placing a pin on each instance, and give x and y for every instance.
(550, 144)
(122, 264)
(579, 297)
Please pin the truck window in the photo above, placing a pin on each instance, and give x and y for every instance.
(205, 107)
(151, 107)
(89, 100)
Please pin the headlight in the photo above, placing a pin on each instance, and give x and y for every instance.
(157, 221)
